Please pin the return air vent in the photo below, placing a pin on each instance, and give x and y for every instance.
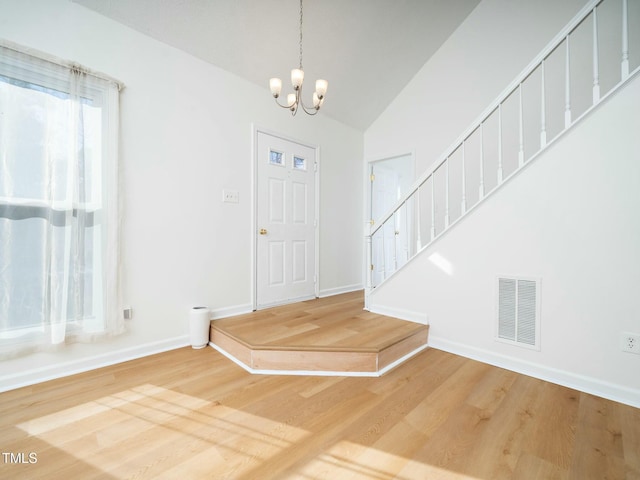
(518, 311)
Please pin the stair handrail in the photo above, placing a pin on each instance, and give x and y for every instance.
(528, 70)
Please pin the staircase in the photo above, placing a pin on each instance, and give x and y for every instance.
(506, 138)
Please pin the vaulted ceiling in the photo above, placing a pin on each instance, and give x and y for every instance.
(368, 50)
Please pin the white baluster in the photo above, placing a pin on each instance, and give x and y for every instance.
(596, 68)
(463, 207)
(433, 207)
(520, 128)
(543, 112)
(625, 41)
(567, 86)
(406, 242)
(417, 215)
(383, 234)
(446, 193)
(408, 222)
(499, 144)
(370, 267)
(481, 161)
(394, 252)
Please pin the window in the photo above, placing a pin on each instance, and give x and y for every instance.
(299, 163)
(58, 183)
(276, 158)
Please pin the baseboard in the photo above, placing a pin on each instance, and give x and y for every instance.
(583, 383)
(408, 315)
(340, 290)
(247, 308)
(231, 311)
(65, 369)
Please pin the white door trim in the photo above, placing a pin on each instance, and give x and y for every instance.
(255, 130)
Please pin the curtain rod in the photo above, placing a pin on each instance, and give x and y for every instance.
(60, 62)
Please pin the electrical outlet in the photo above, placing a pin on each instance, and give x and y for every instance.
(127, 313)
(630, 342)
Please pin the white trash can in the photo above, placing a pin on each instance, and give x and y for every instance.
(199, 324)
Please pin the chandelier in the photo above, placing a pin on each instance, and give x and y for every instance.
(294, 100)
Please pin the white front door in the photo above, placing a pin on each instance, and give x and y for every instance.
(286, 221)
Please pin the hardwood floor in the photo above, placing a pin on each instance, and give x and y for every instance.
(194, 414)
(331, 334)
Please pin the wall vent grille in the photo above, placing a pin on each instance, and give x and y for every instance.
(518, 311)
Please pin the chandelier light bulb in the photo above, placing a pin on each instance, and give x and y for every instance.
(297, 77)
(275, 84)
(321, 88)
(291, 100)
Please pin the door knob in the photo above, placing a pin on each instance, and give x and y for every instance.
(263, 231)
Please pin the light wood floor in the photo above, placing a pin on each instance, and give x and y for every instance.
(337, 322)
(331, 334)
(192, 414)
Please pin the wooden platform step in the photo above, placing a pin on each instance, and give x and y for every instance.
(332, 335)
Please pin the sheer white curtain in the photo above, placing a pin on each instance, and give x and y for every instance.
(58, 203)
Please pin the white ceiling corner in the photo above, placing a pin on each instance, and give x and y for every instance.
(368, 50)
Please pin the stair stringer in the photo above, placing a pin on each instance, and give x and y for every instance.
(569, 218)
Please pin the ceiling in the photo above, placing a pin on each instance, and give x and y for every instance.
(368, 50)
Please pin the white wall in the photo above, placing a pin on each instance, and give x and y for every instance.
(186, 130)
(569, 218)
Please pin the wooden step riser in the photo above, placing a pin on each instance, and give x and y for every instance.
(314, 359)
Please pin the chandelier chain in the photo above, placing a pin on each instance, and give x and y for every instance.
(300, 34)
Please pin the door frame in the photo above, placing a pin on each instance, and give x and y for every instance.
(255, 130)
(368, 192)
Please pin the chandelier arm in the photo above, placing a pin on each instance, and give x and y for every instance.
(313, 111)
(281, 105)
(294, 106)
(308, 110)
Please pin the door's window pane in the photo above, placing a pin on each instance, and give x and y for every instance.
(299, 163)
(276, 158)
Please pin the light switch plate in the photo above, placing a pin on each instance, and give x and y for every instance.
(230, 196)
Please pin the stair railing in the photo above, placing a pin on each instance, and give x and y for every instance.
(483, 146)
